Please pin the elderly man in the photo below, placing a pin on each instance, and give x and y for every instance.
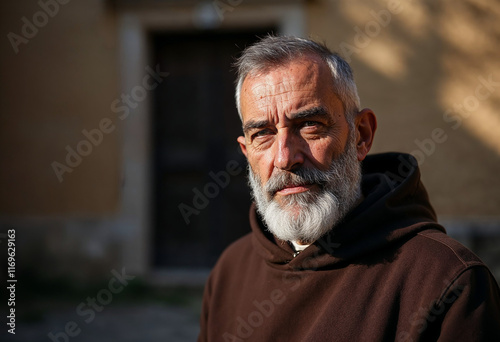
(344, 246)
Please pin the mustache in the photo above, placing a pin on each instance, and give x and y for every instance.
(304, 176)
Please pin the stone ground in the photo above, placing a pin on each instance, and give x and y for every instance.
(141, 314)
(124, 322)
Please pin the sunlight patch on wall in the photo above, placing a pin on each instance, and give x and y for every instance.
(471, 80)
(473, 103)
(414, 18)
(460, 31)
(386, 57)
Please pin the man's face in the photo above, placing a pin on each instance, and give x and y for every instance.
(292, 119)
(293, 123)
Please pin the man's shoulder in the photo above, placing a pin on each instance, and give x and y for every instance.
(436, 244)
(432, 254)
(236, 251)
(240, 245)
(233, 263)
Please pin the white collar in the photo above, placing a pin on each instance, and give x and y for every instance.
(298, 248)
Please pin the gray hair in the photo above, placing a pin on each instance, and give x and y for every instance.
(273, 51)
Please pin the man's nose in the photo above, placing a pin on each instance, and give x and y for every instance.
(288, 153)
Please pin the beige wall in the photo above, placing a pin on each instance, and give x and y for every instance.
(413, 68)
(59, 83)
(428, 58)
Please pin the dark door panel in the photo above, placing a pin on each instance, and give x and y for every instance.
(195, 126)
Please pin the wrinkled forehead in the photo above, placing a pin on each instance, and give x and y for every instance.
(291, 84)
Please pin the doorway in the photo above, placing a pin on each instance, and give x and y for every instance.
(197, 211)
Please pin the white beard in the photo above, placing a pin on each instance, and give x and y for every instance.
(308, 215)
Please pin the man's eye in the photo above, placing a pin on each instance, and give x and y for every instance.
(262, 133)
(310, 123)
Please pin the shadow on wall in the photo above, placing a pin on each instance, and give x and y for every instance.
(430, 72)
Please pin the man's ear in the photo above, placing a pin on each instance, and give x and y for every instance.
(243, 146)
(366, 125)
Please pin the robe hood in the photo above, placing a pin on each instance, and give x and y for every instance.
(395, 208)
